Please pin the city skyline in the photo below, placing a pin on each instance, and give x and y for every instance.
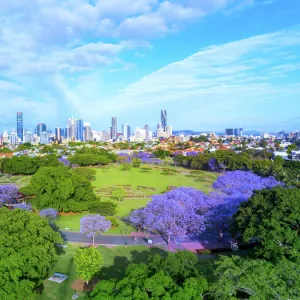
(185, 57)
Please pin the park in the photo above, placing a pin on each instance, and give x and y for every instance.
(97, 211)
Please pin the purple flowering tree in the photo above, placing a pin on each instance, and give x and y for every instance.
(49, 213)
(64, 161)
(8, 194)
(231, 189)
(173, 213)
(137, 219)
(23, 206)
(93, 225)
(213, 165)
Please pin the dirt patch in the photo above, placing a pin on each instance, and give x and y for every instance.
(68, 213)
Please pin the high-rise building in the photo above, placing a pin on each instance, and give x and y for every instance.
(229, 131)
(71, 125)
(58, 134)
(44, 138)
(126, 131)
(79, 130)
(114, 128)
(169, 130)
(41, 127)
(147, 132)
(13, 137)
(87, 132)
(20, 125)
(139, 134)
(163, 118)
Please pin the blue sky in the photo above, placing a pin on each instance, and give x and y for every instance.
(211, 63)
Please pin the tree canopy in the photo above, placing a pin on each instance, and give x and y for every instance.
(27, 251)
(60, 188)
(273, 218)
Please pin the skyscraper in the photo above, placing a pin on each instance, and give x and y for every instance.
(114, 129)
(41, 127)
(58, 134)
(126, 131)
(163, 118)
(147, 129)
(79, 130)
(87, 132)
(20, 125)
(71, 125)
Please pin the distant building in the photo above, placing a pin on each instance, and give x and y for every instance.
(114, 128)
(41, 127)
(87, 132)
(20, 125)
(79, 130)
(163, 118)
(169, 130)
(139, 134)
(147, 132)
(126, 131)
(13, 138)
(234, 131)
(71, 125)
(229, 131)
(58, 134)
(44, 138)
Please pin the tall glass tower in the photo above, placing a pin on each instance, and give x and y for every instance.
(20, 125)
(79, 130)
(163, 119)
(41, 127)
(114, 128)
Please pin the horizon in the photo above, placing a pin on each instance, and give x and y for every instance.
(186, 58)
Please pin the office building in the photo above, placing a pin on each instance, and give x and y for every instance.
(87, 132)
(71, 125)
(41, 127)
(169, 130)
(139, 134)
(58, 134)
(114, 128)
(13, 138)
(147, 131)
(126, 131)
(229, 131)
(164, 119)
(20, 125)
(44, 138)
(79, 130)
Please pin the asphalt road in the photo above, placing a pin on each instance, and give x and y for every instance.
(77, 237)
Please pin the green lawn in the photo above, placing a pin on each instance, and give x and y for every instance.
(19, 181)
(115, 261)
(114, 176)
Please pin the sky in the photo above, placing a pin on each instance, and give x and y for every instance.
(212, 64)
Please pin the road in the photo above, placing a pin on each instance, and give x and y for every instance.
(77, 237)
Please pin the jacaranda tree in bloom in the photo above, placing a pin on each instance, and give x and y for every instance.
(49, 213)
(179, 211)
(23, 206)
(93, 225)
(231, 189)
(8, 194)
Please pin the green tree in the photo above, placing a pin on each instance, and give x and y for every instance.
(88, 173)
(291, 148)
(126, 166)
(136, 163)
(60, 188)
(88, 263)
(238, 278)
(20, 165)
(5, 150)
(273, 218)
(119, 195)
(27, 252)
(104, 208)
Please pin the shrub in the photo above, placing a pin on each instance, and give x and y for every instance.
(104, 208)
(114, 221)
(204, 251)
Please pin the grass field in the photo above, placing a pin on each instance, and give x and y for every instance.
(115, 177)
(115, 261)
(19, 181)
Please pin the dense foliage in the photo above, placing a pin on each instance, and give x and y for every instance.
(240, 278)
(26, 165)
(88, 173)
(175, 276)
(60, 188)
(104, 208)
(27, 251)
(273, 218)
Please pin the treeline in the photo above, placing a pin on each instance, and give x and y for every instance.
(92, 156)
(260, 162)
(27, 165)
